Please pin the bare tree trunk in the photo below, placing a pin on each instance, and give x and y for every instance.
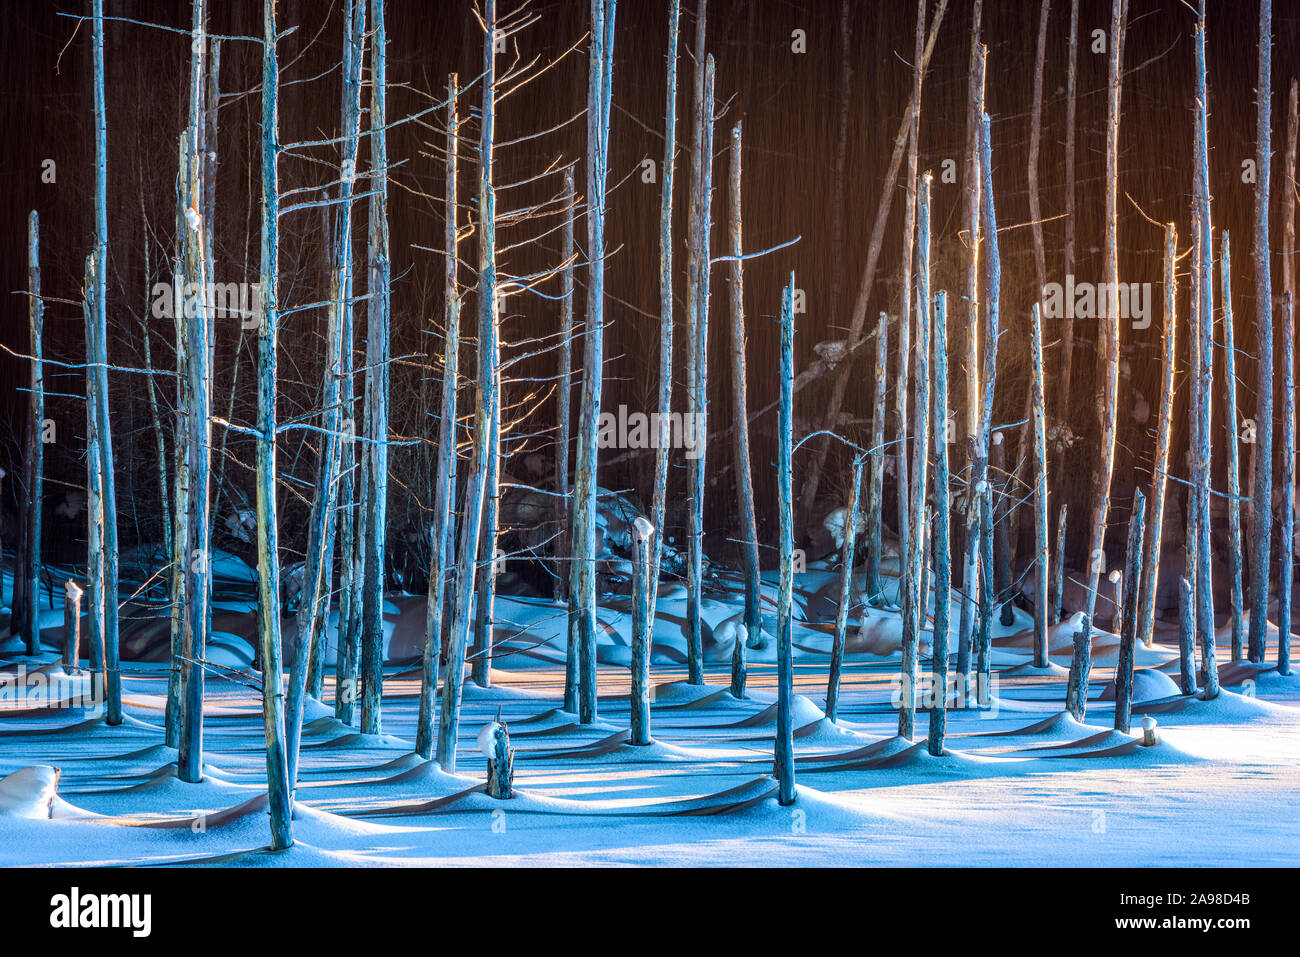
(350, 583)
(565, 546)
(378, 322)
(1108, 346)
(1035, 136)
(846, 591)
(941, 539)
(1058, 566)
(659, 503)
(268, 558)
(1262, 514)
(697, 335)
(980, 488)
(975, 470)
(442, 509)
(913, 600)
(745, 481)
(95, 612)
(642, 633)
(1286, 533)
(877, 481)
(486, 411)
(1132, 574)
(1040, 487)
(103, 432)
(1071, 102)
(34, 466)
(583, 582)
(1146, 597)
(784, 743)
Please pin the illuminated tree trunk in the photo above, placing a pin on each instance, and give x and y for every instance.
(980, 488)
(1040, 487)
(976, 470)
(1286, 535)
(642, 632)
(30, 625)
(583, 582)
(659, 503)
(846, 591)
(745, 481)
(268, 556)
(913, 601)
(1262, 514)
(442, 508)
(784, 744)
(1071, 102)
(350, 584)
(485, 413)
(875, 487)
(697, 339)
(1108, 371)
(1146, 598)
(99, 372)
(941, 538)
(1128, 618)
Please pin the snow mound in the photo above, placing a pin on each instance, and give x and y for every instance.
(1227, 708)
(1148, 685)
(33, 793)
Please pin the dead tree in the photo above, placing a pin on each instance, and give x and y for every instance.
(98, 371)
(941, 539)
(1146, 599)
(268, 548)
(1132, 574)
(1262, 513)
(659, 496)
(914, 602)
(196, 416)
(487, 407)
(784, 743)
(976, 470)
(439, 533)
(1286, 531)
(1108, 371)
(583, 582)
(877, 480)
(1071, 103)
(33, 479)
(1040, 484)
(745, 481)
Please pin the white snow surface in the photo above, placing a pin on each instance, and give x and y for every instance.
(1021, 784)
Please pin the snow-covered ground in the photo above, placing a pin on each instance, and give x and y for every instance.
(1023, 785)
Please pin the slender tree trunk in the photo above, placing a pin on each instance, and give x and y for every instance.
(941, 538)
(1186, 638)
(583, 582)
(877, 481)
(1108, 372)
(1232, 447)
(268, 560)
(345, 675)
(745, 482)
(94, 504)
(980, 487)
(180, 493)
(975, 469)
(35, 464)
(565, 573)
(846, 591)
(485, 413)
(442, 509)
(378, 322)
(488, 561)
(1286, 532)
(1056, 607)
(784, 744)
(698, 363)
(1262, 515)
(659, 503)
(1041, 603)
(103, 433)
(913, 601)
(1127, 629)
(197, 421)
(1146, 597)
(642, 632)
(1071, 103)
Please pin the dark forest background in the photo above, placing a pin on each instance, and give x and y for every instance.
(790, 105)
